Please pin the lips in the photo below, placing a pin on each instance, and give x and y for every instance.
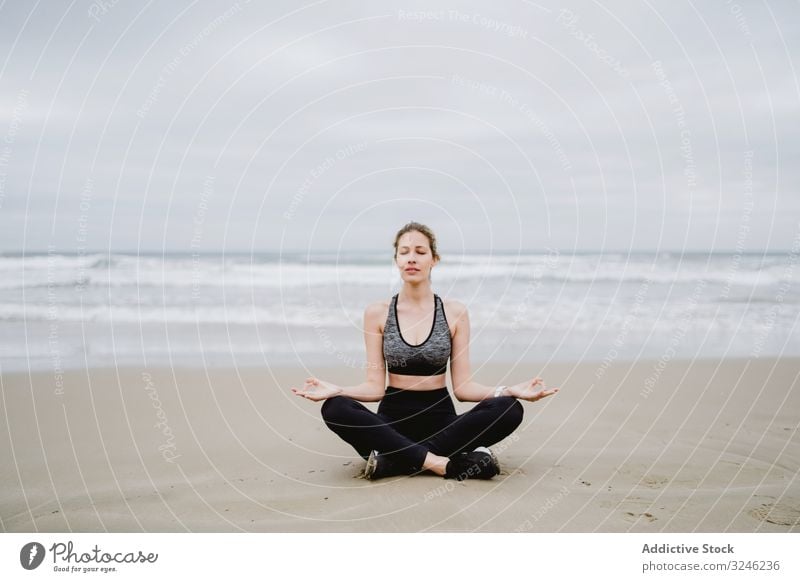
(412, 270)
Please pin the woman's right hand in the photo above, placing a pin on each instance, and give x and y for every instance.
(316, 389)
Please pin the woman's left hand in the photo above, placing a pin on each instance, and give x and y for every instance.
(531, 391)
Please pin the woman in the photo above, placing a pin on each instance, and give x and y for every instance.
(416, 427)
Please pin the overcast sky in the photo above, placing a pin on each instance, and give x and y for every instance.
(208, 126)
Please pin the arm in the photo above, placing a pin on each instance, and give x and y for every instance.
(373, 389)
(467, 390)
(464, 388)
(375, 386)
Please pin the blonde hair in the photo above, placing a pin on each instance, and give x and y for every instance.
(416, 226)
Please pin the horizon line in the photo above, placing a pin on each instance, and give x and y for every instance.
(21, 252)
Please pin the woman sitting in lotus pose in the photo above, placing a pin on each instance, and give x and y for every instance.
(416, 427)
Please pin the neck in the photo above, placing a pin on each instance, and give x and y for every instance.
(418, 294)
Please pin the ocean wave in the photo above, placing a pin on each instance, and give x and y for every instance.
(117, 271)
(290, 316)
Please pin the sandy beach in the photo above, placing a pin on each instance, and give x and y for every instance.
(703, 446)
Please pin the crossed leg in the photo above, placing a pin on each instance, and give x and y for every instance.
(487, 423)
(365, 430)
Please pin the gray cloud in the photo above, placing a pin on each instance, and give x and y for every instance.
(520, 125)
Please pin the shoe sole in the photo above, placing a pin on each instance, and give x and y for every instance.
(372, 465)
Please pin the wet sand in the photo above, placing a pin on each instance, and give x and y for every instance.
(706, 446)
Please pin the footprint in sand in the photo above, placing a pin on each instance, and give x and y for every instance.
(777, 513)
(653, 481)
(629, 516)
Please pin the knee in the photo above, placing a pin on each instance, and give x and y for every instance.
(506, 409)
(512, 411)
(335, 409)
(519, 411)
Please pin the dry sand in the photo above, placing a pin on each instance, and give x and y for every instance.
(711, 447)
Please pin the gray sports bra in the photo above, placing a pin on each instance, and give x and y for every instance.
(426, 359)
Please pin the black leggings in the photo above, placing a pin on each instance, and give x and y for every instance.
(411, 423)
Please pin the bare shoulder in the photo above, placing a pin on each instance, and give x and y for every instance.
(375, 314)
(455, 311)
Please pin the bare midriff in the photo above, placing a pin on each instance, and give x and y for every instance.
(417, 382)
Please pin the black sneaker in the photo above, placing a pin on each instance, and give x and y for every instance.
(478, 464)
(380, 466)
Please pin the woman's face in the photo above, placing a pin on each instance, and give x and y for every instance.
(414, 258)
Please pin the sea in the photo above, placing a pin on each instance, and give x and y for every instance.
(65, 311)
